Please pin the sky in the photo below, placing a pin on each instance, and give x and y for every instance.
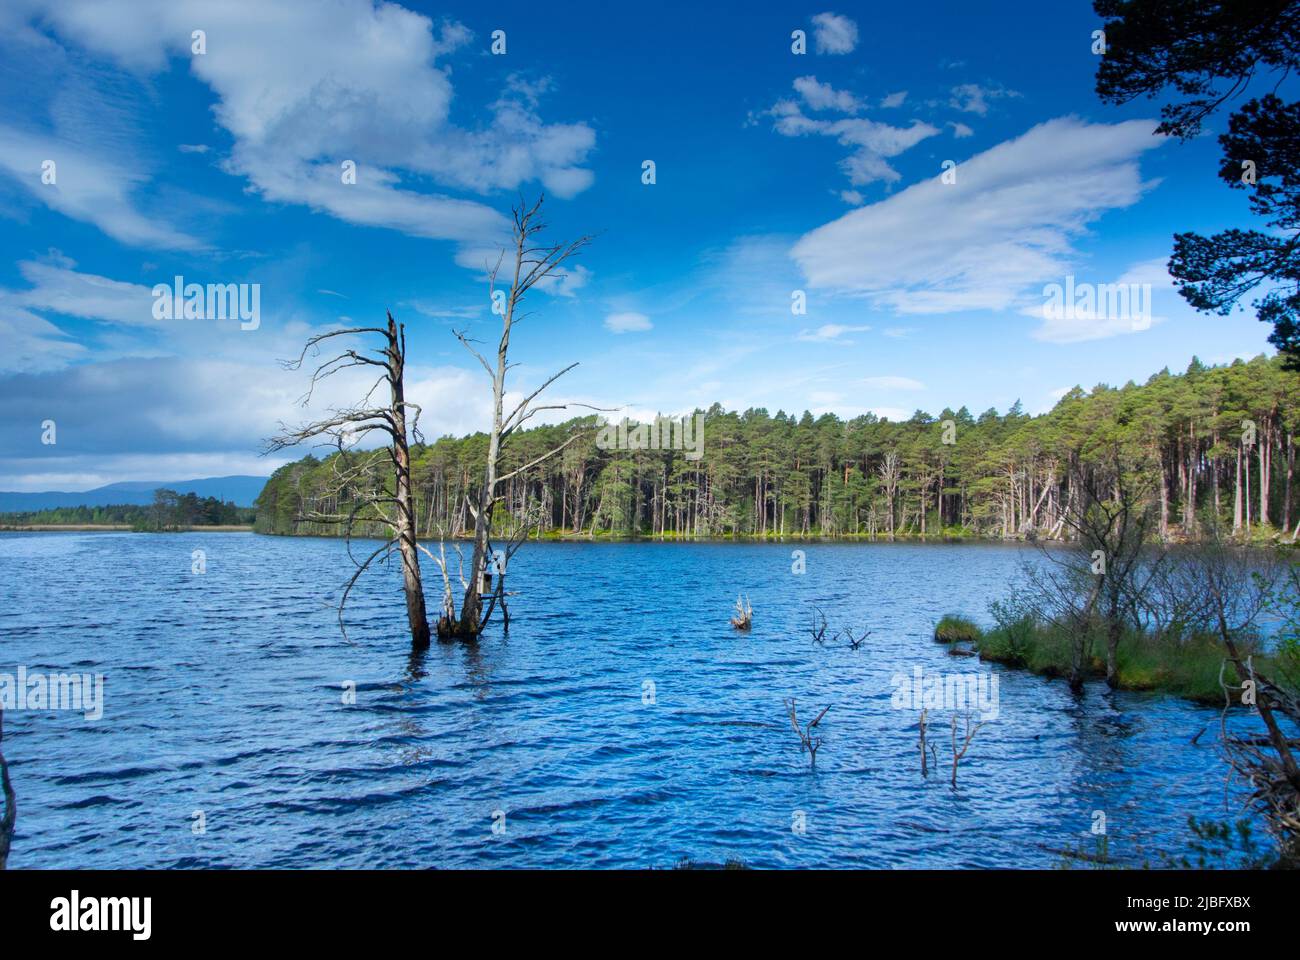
(133, 151)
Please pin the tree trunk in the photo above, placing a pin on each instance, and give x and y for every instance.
(412, 583)
(1114, 627)
(1236, 498)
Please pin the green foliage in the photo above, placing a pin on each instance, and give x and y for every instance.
(1285, 604)
(1015, 637)
(1219, 845)
(1097, 858)
(1187, 666)
(1212, 845)
(1204, 55)
(954, 629)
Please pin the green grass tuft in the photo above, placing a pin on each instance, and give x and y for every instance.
(955, 629)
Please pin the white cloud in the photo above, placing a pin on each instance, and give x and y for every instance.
(87, 186)
(834, 33)
(852, 197)
(893, 383)
(566, 282)
(63, 290)
(822, 96)
(203, 417)
(831, 333)
(302, 89)
(32, 343)
(872, 142)
(893, 100)
(1006, 224)
(627, 322)
(960, 130)
(972, 98)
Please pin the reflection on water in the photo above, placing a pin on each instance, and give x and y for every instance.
(225, 695)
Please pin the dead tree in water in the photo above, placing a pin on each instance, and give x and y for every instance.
(392, 507)
(818, 629)
(925, 768)
(807, 742)
(11, 806)
(957, 754)
(743, 615)
(532, 263)
(856, 643)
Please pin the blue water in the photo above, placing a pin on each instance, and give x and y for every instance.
(224, 695)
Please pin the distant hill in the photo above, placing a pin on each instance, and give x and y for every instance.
(242, 490)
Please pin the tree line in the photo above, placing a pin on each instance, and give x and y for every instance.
(1213, 442)
(169, 511)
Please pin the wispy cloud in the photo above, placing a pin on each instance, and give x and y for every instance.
(60, 289)
(831, 333)
(872, 142)
(973, 98)
(86, 186)
(627, 322)
(1006, 224)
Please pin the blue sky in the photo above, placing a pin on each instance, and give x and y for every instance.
(775, 172)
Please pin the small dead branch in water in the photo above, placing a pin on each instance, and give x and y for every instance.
(856, 642)
(816, 631)
(971, 730)
(807, 742)
(1198, 735)
(743, 618)
(925, 769)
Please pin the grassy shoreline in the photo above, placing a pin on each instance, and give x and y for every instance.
(1187, 667)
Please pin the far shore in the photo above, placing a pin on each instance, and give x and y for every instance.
(112, 527)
